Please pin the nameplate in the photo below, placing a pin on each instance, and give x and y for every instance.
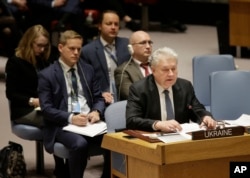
(218, 133)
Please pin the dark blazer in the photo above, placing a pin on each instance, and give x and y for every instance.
(54, 98)
(93, 54)
(125, 75)
(21, 85)
(72, 6)
(143, 106)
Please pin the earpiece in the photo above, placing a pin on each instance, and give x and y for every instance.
(130, 49)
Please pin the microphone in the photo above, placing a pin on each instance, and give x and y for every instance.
(190, 107)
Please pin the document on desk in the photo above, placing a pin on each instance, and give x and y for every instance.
(179, 135)
(243, 120)
(90, 130)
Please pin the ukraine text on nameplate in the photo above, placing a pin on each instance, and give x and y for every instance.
(218, 133)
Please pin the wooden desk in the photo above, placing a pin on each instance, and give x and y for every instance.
(196, 159)
(239, 23)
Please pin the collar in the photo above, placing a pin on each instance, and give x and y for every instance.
(137, 62)
(65, 67)
(104, 43)
(161, 89)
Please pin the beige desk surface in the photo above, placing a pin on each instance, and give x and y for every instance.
(163, 153)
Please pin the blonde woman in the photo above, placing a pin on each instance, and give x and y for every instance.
(31, 55)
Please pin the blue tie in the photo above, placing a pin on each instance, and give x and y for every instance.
(170, 111)
(74, 83)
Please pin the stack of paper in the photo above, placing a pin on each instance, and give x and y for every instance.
(178, 135)
(243, 120)
(90, 130)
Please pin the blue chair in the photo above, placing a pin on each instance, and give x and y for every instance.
(203, 66)
(62, 152)
(116, 119)
(31, 133)
(230, 94)
(115, 116)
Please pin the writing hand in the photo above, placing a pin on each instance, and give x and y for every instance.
(80, 120)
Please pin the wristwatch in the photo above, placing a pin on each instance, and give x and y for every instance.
(31, 100)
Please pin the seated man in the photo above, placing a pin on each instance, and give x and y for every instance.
(106, 52)
(70, 93)
(137, 67)
(162, 101)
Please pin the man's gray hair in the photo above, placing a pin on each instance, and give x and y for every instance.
(164, 51)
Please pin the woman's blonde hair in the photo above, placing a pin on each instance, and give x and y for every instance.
(25, 50)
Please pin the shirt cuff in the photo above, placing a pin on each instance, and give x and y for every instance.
(153, 126)
(70, 118)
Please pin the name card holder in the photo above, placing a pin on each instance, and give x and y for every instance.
(218, 133)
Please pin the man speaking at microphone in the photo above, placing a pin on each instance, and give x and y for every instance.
(162, 101)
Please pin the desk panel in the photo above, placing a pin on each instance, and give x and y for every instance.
(193, 158)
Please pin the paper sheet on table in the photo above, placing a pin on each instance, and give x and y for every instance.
(90, 130)
(243, 120)
(178, 136)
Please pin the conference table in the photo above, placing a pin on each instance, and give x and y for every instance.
(190, 158)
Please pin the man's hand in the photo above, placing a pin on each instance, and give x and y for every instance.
(58, 3)
(108, 97)
(93, 117)
(20, 4)
(208, 122)
(80, 120)
(168, 126)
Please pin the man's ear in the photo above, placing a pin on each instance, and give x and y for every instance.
(60, 46)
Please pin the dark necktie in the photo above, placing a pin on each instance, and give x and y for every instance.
(74, 83)
(145, 67)
(170, 111)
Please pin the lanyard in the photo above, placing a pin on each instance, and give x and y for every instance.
(112, 56)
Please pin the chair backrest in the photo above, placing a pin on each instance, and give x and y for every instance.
(202, 67)
(115, 116)
(230, 94)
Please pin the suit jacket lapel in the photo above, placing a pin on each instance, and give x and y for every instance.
(155, 103)
(134, 71)
(101, 58)
(61, 81)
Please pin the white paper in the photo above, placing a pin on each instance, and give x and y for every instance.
(243, 120)
(178, 135)
(173, 138)
(90, 130)
(191, 127)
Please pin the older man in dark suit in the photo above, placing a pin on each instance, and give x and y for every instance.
(162, 101)
(107, 52)
(70, 93)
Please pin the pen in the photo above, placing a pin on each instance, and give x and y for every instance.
(166, 134)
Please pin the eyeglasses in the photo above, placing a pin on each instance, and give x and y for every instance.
(144, 42)
(41, 45)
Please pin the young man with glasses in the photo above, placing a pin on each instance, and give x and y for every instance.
(137, 67)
